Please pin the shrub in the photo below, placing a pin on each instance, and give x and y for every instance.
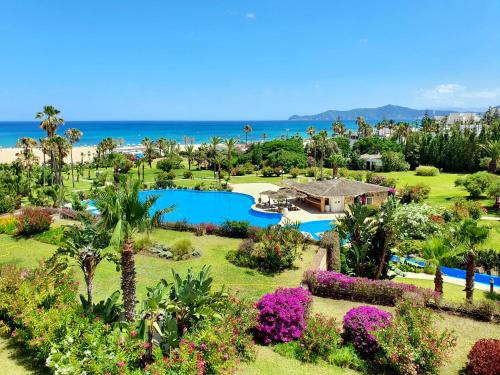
(234, 228)
(416, 222)
(425, 170)
(411, 344)
(187, 174)
(377, 179)
(346, 356)
(380, 292)
(484, 357)
(464, 209)
(360, 323)
(394, 161)
(237, 171)
(167, 165)
(476, 184)
(7, 204)
(52, 236)
(267, 172)
(319, 339)
(33, 221)
(244, 256)
(8, 225)
(414, 193)
(310, 172)
(182, 249)
(294, 172)
(281, 316)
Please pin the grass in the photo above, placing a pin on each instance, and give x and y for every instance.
(247, 283)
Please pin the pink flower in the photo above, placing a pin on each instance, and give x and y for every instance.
(133, 333)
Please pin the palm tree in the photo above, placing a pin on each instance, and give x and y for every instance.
(264, 137)
(218, 160)
(471, 234)
(337, 161)
(492, 148)
(189, 149)
(230, 145)
(26, 157)
(149, 150)
(247, 129)
(73, 136)
(435, 251)
(124, 213)
(87, 245)
(214, 142)
(322, 141)
(50, 120)
(338, 127)
(162, 145)
(311, 130)
(364, 129)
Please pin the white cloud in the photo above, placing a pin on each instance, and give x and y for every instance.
(251, 16)
(453, 94)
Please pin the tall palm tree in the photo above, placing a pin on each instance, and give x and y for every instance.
(162, 145)
(322, 141)
(311, 131)
(59, 147)
(26, 157)
(189, 150)
(73, 136)
(436, 250)
(44, 147)
(492, 148)
(247, 129)
(149, 150)
(364, 129)
(230, 145)
(336, 160)
(124, 213)
(50, 120)
(214, 142)
(338, 127)
(471, 234)
(218, 160)
(264, 137)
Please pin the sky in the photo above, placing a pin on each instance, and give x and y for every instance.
(244, 59)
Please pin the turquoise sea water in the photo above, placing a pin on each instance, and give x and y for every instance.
(132, 132)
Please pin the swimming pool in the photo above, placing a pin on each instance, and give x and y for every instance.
(315, 228)
(215, 207)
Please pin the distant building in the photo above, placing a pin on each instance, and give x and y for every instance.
(373, 162)
(463, 118)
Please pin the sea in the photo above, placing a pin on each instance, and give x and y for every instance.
(132, 132)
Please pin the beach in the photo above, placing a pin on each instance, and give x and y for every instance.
(8, 154)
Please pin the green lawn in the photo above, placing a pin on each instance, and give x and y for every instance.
(248, 283)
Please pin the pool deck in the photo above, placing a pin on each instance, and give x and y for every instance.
(304, 214)
(448, 279)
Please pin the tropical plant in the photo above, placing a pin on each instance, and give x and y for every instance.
(331, 242)
(124, 213)
(247, 129)
(492, 149)
(149, 150)
(73, 136)
(436, 251)
(471, 234)
(87, 245)
(336, 161)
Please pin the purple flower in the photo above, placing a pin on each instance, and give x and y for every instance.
(282, 314)
(359, 324)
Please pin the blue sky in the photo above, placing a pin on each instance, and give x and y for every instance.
(236, 59)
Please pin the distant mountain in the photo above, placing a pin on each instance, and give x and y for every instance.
(388, 112)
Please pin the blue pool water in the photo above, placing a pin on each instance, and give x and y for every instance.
(315, 228)
(215, 207)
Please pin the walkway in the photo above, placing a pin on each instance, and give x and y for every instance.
(447, 279)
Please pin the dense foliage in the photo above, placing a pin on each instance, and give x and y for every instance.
(484, 357)
(33, 221)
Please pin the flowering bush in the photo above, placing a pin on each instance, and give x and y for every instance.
(415, 221)
(320, 338)
(484, 357)
(381, 292)
(8, 225)
(414, 193)
(282, 315)
(33, 221)
(360, 324)
(411, 344)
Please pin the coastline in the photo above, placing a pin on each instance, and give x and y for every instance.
(8, 154)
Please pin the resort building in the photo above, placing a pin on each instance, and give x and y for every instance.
(336, 195)
(373, 162)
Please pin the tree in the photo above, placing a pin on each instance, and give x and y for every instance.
(471, 234)
(264, 137)
(230, 145)
(87, 244)
(214, 142)
(476, 184)
(59, 148)
(338, 127)
(247, 129)
(149, 150)
(322, 141)
(50, 123)
(364, 129)
(73, 136)
(492, 148)
(189, 150)
(336, 161)
(26, 157)
(123, 213)
(436, 250)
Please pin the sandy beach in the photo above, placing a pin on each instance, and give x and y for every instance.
(8, 154)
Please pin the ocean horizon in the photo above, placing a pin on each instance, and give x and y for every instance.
(132, 132)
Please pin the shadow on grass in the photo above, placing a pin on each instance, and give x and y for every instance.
(22, 358)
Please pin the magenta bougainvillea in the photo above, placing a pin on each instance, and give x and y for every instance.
(282, 315)
(359, 324)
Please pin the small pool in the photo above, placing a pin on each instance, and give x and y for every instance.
(215, 207)
(316, 228)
